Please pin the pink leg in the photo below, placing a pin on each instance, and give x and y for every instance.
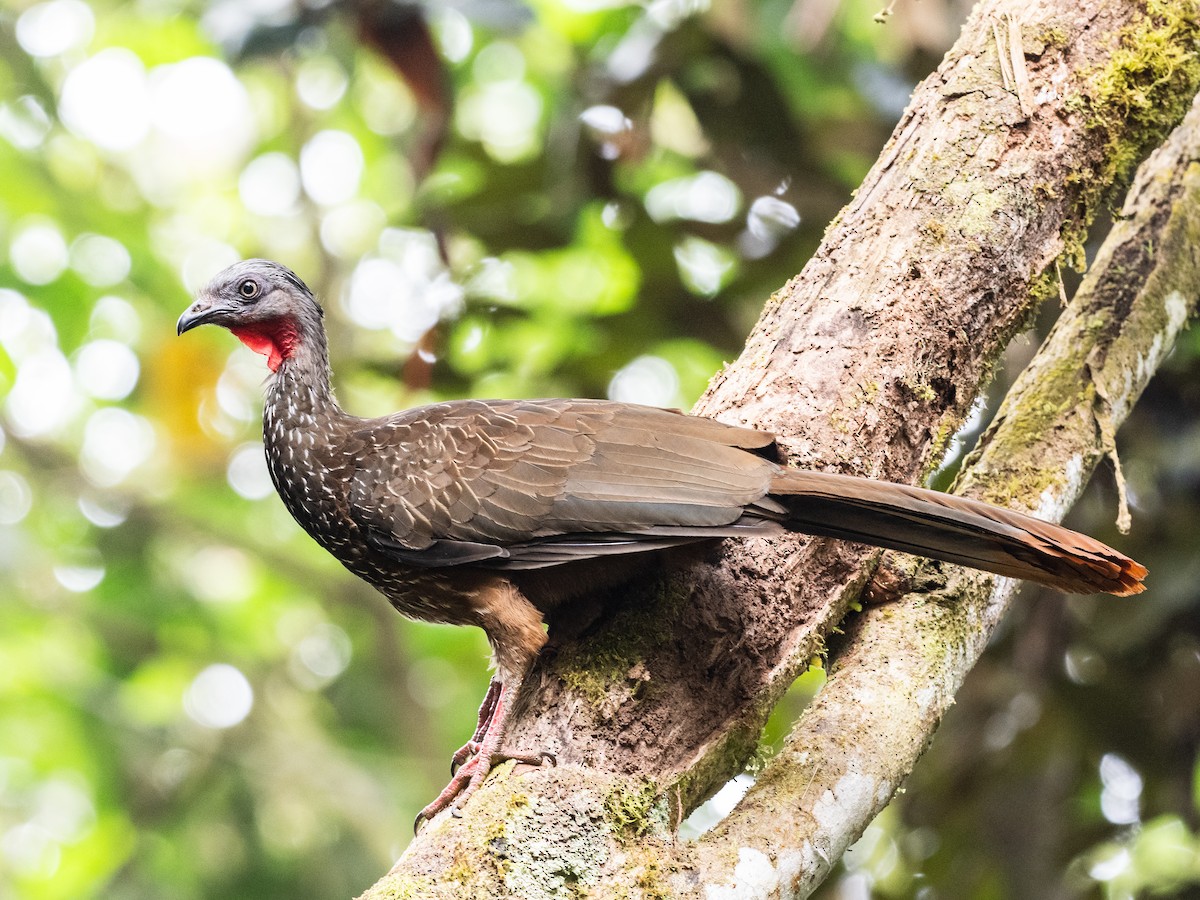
(487, 710)
(471, 775)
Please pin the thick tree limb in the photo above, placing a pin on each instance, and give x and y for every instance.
(905, 661)
(865, 362)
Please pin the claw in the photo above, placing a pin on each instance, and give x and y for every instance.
(473, 761)
(462, 754)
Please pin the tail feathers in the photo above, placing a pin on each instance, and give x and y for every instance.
(954, 529)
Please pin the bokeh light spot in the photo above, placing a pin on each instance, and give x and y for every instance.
(247, 472)
(24, 122)
(103, 512)
(1121, 795)
(43, 399)
(320, 656)
(106, 100)
(115, 317)
(63, 807)
(99, 260)
(453, 31)
(499, 61)
(321, 82)
(771, 218)
(16, 498)
(648, 379)
(116, 442)
(219, 574)
(106, 369)
(351, 229)
(219, 697)
(204, 124)
(31, 851)
(270, 185)
(204, 260)
(1110, 865)
(79, 579)
(50, 29)
(406, 289)
(605, 120)
(503, 116)
(704, 267)
(331, 165)
(703, 197)
(38, 252)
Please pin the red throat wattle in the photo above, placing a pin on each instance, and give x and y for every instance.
(276, 339)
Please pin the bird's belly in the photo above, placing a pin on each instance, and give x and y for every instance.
(429, 596)
(416, 593)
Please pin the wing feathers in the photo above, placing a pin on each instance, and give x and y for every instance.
(505, 473)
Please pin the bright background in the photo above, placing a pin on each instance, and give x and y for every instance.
(194, 700)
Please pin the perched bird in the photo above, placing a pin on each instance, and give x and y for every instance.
(491, 513)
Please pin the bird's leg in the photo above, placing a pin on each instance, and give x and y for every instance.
(514, 629)
(467, 779)
(487, 709)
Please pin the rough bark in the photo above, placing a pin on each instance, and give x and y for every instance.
(905, 660)
(864, 363)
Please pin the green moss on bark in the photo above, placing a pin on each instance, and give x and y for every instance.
(1135, 99)
(634, 811)
(609, 661)
(1148, 83)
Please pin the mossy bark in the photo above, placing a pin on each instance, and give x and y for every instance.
(904, 661)
(863, 363)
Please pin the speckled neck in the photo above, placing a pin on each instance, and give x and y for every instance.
(299, 396)
(303, 432)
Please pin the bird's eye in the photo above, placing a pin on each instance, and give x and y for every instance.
(248, 289)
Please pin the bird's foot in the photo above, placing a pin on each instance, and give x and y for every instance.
(463, 753)
(475, 759)
(468, 778)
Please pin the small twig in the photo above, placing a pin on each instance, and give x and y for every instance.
(1062, 288)
(1006, 74)
(1108, 438)
(807, 787)
(1020, 73)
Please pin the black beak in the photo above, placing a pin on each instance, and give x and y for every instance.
(199, 313)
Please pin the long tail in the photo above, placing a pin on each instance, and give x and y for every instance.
(954, 529)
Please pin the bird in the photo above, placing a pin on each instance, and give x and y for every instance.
(493, 513)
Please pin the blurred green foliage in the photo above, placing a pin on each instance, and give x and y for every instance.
(195, 701)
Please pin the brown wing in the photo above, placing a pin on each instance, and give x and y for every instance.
(519, 484)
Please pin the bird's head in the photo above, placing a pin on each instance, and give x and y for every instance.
(265, 305)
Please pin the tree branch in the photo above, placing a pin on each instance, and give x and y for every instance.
(904, 661)
(865, 362)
